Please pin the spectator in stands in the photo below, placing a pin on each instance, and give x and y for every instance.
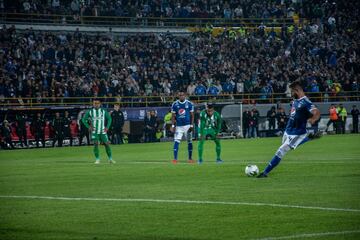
(6, 133)
(117, 124)
(252, 119)
(333, 119)
(67, 131)
(58, 129)
(281, 119)
(150, 126)
(158, 135)
(191, 89)
(213, 90)
(245, 122)
(200, 89)
(21, 128)
(342, 113)
(167, 124)
(355, 119)
(38, 130)
(228, 86)
(84, 131)
(256, 117)
(271, 116)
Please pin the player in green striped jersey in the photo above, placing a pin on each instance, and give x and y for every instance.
(210, 125)
(98, 118)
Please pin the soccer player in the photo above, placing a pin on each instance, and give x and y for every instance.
(302, 111)
(210, 125)
(97, 117)
(182, 124)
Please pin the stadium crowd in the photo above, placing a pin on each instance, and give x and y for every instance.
(46, 64)
(180, 9)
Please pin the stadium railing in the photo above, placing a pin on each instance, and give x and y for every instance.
(146, 21)
(148, 101)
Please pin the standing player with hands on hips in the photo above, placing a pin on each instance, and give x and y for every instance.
(182, 124)
(98, 117)
(302, 111)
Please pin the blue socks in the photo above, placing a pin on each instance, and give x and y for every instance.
(273, 163)
(176, 149)
(190, 149)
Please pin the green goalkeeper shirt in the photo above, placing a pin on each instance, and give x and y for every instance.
(97, 118)
(210, 122)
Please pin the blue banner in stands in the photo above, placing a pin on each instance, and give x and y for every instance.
(139, 113)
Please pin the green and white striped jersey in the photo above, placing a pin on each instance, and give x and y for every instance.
(210, 122)
(98, 118)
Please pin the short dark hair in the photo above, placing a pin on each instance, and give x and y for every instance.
(295, 84)
(210, 105)
(96, 99)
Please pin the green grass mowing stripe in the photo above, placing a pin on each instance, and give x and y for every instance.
(181, 201)
(310, 235)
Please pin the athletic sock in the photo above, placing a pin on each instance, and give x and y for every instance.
(96, 151)
(108, 151)
(218, 149)
(272, 164)
(176, 149)
(190, 149)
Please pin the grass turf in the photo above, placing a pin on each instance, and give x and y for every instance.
(323, 173)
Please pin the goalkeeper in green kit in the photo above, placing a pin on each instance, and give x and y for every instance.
(97, 128)
(210, 125)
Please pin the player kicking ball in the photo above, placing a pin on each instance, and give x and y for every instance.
(210, 125)
(97, 116)
(302, 111)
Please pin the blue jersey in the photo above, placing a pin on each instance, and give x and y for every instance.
(299, 114)
(182, 111)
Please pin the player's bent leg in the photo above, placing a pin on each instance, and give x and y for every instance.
(280, 153)
(201, 149)
(218, 150)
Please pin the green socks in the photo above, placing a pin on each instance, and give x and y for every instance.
(108, 151)
(96, 151)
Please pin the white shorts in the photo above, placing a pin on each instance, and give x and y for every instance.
(180, 131)
(293, 140)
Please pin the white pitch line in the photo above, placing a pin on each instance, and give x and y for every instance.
(182, 201)
(310, 235)
(242, 162)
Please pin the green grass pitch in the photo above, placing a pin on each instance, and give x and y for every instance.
(313, 194)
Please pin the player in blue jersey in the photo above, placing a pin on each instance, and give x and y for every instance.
(182, 124)
(302, 111)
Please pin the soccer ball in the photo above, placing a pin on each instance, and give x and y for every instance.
(251, 170)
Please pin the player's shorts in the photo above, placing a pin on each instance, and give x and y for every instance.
(100, 137)
(209, 133)
(181, 131)
(293, 140)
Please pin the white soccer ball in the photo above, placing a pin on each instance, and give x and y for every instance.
(251, 170)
